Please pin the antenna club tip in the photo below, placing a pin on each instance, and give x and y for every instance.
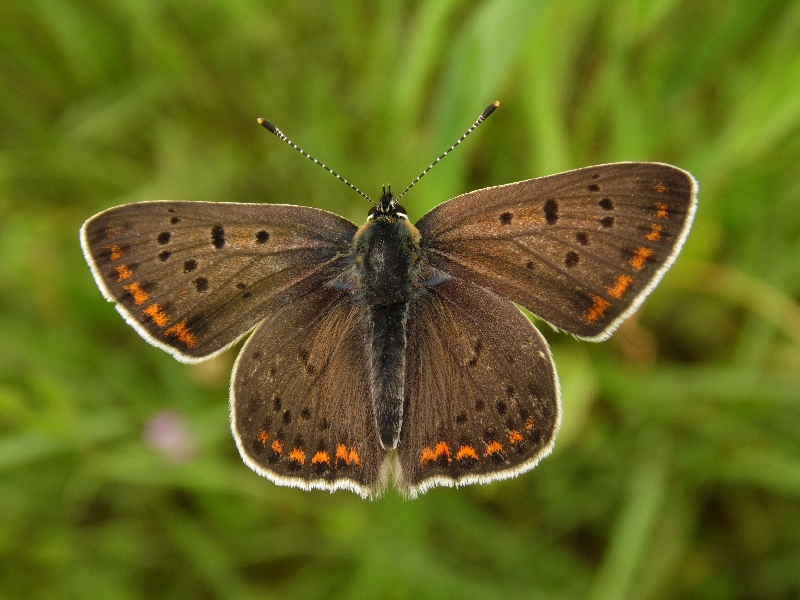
(267, 125)
(490, 109)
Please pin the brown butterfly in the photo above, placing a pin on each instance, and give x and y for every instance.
(393, 351)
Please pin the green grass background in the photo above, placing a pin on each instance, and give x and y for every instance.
(677, 472)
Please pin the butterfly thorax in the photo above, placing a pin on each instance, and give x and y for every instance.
(387, 254)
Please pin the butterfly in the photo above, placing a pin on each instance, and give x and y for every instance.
(394, 352)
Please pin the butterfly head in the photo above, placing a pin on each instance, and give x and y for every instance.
(387, 206)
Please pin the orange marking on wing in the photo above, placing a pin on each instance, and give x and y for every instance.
(515, 437)
(182, 332)
(661, 209)
(123, 272)
(350, 457)
(655, 233)
(599, 306)
(426, 455)
(661, 188)
(493, 447)
(622, 283)
(139, 295)
(262, 437)
(341, 452)
(638, 260)
(154, 312)
(116, 252)
(298, 455)
(441, 448)
(277, 447)
(530, 424)
(466, 452)
(111, 231)
(321, 457)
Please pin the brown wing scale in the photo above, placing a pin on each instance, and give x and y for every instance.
(580, 250)
(482, 395)
(300, 398)
(193, 285)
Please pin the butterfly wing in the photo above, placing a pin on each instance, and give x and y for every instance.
(193, 277)
(580, 249)
(482, 395)
(300, 397)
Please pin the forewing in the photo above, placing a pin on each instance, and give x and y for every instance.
(193, 277)
(301, 409)
(482, 395)
(580, 249)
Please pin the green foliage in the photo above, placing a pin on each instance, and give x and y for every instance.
(677, 474)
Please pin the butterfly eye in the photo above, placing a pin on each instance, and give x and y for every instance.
(371, 211)
(400, 210)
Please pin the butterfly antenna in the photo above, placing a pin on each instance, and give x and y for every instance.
(272, 129)
(484, 115)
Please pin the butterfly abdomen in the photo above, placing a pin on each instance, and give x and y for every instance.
(388, 258)
(388, 368)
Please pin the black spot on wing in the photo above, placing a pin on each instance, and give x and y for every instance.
(607, 221)
(550, 209)
(217, 236)
(571, 259)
